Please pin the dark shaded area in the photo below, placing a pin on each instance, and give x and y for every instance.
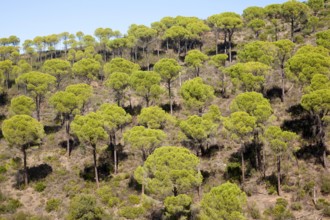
(51, 129)
(308, 152)
(206, 174)
(133, 110)
(210, 151)
(302, 122)
(74, 143)
(3, 99)
(103, 170)
(157, 214)
(272, 180)
(175, 106)
(35, 173)
(133, 184)
(121, 155)
(274, 93)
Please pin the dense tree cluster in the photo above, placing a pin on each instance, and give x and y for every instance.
(172, 110)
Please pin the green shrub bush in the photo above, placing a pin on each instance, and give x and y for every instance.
(134, 199)
(53, 205)
(131, 212)
(84, 207)
(39, 186)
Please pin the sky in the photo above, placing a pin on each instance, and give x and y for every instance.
(29, 18)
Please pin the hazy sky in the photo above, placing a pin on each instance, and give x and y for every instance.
(29, 18)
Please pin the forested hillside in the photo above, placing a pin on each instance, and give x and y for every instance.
(223, 118)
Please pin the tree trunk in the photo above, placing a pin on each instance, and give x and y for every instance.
(216, 41)
(292, 29)
(95, 166)
(115, 153)
(243, 167)
(38, 107)
(67, 128)
(25, 167)
(264, 162)
(229, 42)
(279, 175)
(283, 82)
(170, 95)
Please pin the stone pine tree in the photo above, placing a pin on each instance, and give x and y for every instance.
(83, 91)
(68, 105)
(22, 131)
(223, 202)
(87, 68)
(280, 143)
(22, 105)
(118, 82)
(240, 126)
(169, 70)
(146, 84)
(6, 67)
(114, 118)
(284, 52)
(144, 140)
(219, 62)
(90, 131)
(37, 84)
(58, 68)
(195, 60)
(153, 117)
(169, 171)
(196, 94)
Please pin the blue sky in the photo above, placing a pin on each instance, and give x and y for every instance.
(29, 18)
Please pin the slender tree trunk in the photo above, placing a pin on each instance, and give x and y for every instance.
(38, 107)
(25, 167)
(142, 190)
(229, 42)
(243, 166)
(115, 153)
(216, 41)
(7, 80)
(264, 161)
(279, 175)
(283, 82)
(170, 96)
(95, 166)
(67, 128)
(292, 30)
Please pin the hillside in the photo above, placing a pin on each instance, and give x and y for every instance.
(223, 118)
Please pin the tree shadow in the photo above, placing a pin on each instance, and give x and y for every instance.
(3, 99)
(302, 122)
(310, 151)
(133, 184)
(35, 173)
(103, 171)
(212, 150)
(274, 93)
(133, 110)
(167, 108)
(74, 143)
(51, 129)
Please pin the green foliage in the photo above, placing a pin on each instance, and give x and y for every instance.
(223, 202)
(89, 128)
(325, 184)
(195, 59)
(146, 84)
(281, 211)
(84, 207)
(113, 116)
(65, 102)
(233, 170)
(144, 139)
(132, 212)
(254, 104)
(82, 91)
(284, 50)
(120, 65)
(253, 12)
(307, 62)
(118, 82)
(197, 128)
(22, 105)
(153, 117)
(323, 39)
(317, 101)
(113, 201)
(258, 51)
(196, 94)
(240, 126)
(256, 26)
(134, 199)
(8, 205)
(40, 186)
(168, 69)
(21, 130)
(58, 68)
(169, 170)
(53, 205)
(87, 68)
(177, 206)
(250, 75)
(279, 140)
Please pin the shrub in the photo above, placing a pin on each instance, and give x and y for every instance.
(53, 205)
(296, 206)
(131, 212)
(177, 206)
(83, 206)
(104, 193)
(326, 211)
(9, 205)
(325, 184)
(134, 199)
(321, 204)
(254, 211)
(113, 201)
(39, 186)
(3, 169)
